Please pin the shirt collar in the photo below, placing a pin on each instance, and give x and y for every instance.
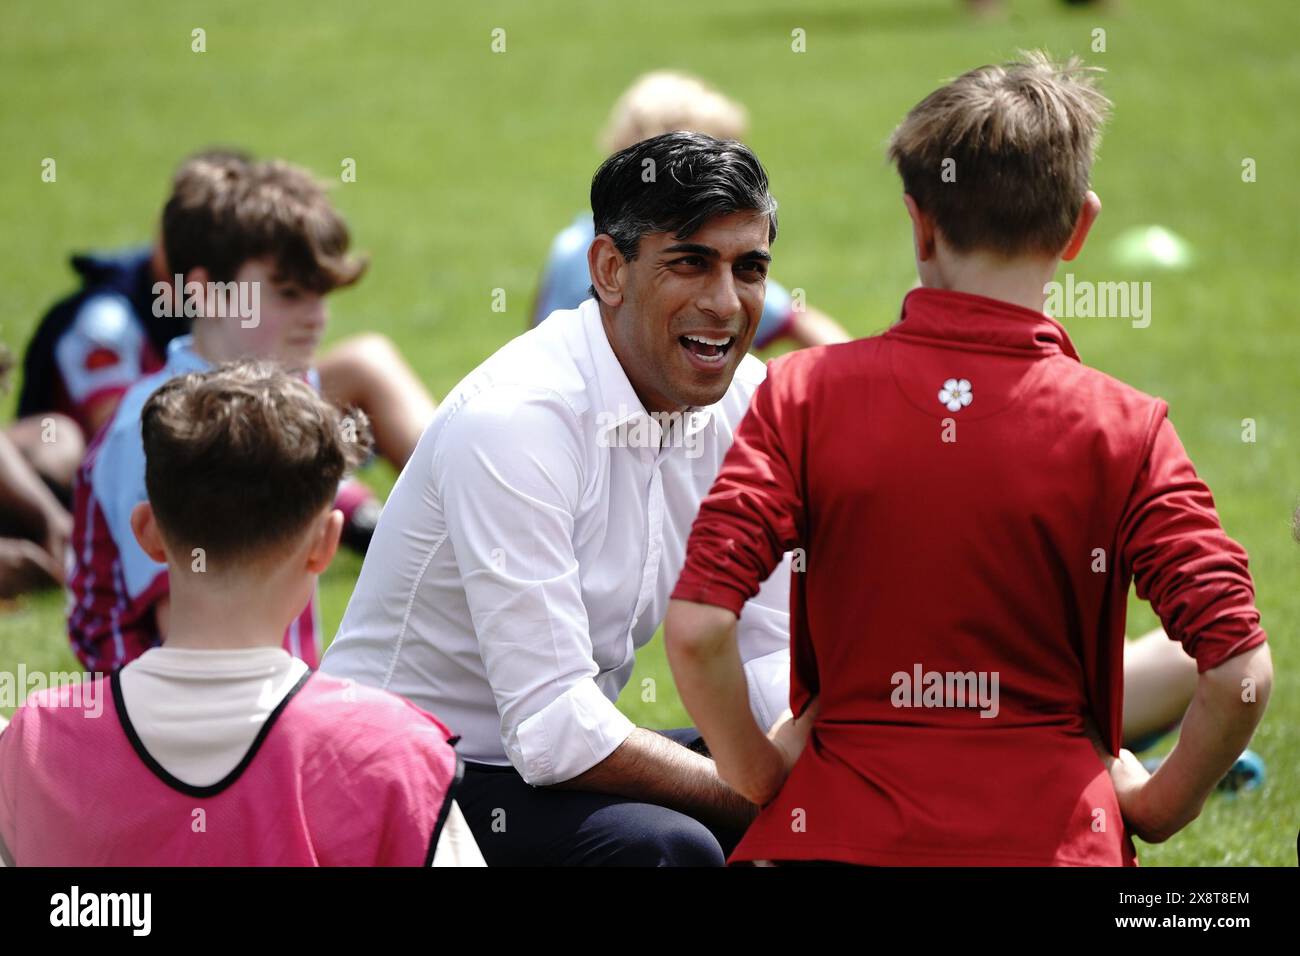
(960, 317)
(182, 358)
(618, 404)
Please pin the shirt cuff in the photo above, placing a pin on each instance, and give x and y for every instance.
(716, 593)
(568, 736)
(1210, 654)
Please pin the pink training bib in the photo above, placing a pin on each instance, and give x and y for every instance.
(339, 775)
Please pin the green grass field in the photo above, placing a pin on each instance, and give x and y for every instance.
(468, 161)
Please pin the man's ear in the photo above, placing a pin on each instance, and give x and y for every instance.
(607, 266)
(145, 528)
(326, 543)
(922, 229)
(1088, 214)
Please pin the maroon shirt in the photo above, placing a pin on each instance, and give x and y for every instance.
(994, 541)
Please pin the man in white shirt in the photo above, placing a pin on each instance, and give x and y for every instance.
(530, 544)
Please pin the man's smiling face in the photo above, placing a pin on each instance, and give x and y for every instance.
(690, 309)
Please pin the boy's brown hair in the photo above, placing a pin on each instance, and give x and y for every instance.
(238, 460)
(1021, 138)
(226, 209)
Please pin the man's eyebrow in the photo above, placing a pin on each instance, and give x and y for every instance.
(698, 249)
(694, 248)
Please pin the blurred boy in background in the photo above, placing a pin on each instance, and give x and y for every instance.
(96, 343)
(666, 102)
(266, 234)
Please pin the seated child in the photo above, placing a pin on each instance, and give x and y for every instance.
(665, 102)
(94, 344)
(266, 233)
(974, 503)
(218, 748)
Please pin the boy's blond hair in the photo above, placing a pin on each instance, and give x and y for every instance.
(1020, 139)
(666, 101)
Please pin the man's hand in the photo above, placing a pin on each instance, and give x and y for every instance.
(652, 768)
(757, 776)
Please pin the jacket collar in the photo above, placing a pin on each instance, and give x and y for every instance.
(962, 318)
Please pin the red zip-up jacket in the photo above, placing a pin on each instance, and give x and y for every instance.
(971, 504)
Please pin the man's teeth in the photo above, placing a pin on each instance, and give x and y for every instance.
(717, 343)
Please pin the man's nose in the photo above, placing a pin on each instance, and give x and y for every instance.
(721, 298)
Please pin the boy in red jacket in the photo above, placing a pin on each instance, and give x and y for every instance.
(972, 504)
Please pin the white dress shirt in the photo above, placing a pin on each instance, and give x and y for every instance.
(529, 548)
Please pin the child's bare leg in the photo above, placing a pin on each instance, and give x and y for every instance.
(366, 371)
(1159, 681)
(26, 566)
(813, 327)
(52, 444)
(29, 510)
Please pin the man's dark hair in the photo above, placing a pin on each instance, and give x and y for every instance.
(676, 183)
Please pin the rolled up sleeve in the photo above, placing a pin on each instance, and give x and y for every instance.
(1194, 575)
(753, 513)
(510, 472)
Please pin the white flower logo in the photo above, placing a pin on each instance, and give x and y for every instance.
(956, 394)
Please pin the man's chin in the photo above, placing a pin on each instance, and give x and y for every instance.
(698, 394)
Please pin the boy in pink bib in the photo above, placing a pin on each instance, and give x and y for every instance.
(219, 748)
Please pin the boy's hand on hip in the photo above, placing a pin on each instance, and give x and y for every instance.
(790, 734)
(1130, 779)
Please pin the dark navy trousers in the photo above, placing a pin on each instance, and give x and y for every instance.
(516, 824)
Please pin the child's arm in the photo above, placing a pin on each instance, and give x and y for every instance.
(1228, 705)
(705, 660)
(1197, 580)
(746, 524)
